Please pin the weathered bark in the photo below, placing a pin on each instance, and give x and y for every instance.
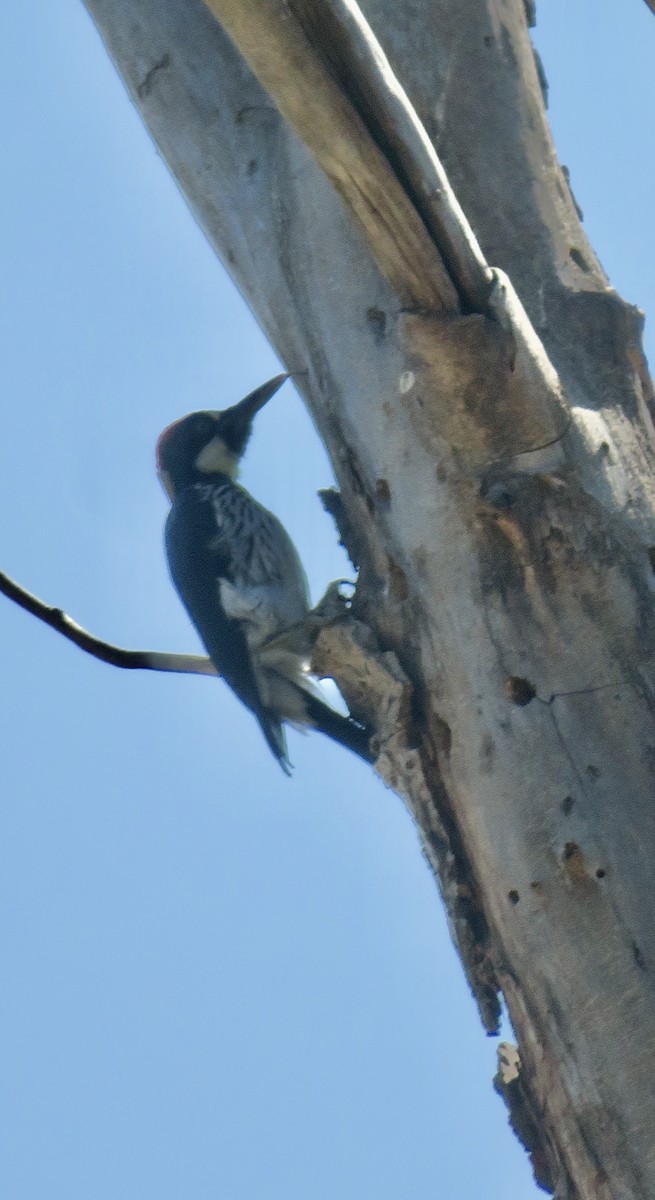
(496, 491)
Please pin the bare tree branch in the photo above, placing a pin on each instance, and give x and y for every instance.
(135, 660)
(116, 656)
(651, 5)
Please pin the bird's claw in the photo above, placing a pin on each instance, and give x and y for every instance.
(333, 604)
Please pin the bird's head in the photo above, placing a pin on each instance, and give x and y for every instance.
(209, 443)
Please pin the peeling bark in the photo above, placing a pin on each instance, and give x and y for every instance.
(494, 458)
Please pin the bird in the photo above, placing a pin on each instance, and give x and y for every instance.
(239, 575)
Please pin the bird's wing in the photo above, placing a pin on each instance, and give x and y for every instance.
(208, 538)
(257, 547)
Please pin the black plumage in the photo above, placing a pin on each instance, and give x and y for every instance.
(239, 576)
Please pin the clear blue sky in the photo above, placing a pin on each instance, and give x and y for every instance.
(216, 982)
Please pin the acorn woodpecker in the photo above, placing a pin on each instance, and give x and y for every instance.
(239, 576)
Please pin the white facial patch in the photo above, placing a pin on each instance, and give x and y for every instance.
(215, 457)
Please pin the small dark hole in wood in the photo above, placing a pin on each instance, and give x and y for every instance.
(578, 258)
(498, 495)
(567, 805)
(377, 319)
(570, 850)
(444, 735)
(600, 873)
(382, 493)
(513, 896)
(638, 957)
(520, 691)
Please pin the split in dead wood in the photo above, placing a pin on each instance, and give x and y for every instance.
(520, 691)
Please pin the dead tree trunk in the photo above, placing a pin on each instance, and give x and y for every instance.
(496, 489)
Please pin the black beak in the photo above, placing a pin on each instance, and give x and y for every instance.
(234, 424)
(251, 404)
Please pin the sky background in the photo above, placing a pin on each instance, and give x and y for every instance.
(216, 982)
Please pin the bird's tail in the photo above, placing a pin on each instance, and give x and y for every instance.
(318, 715)
(289, 693)
(344, 730)
(273, 731)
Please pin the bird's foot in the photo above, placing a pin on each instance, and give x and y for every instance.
(334, 604)
(299, 639)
